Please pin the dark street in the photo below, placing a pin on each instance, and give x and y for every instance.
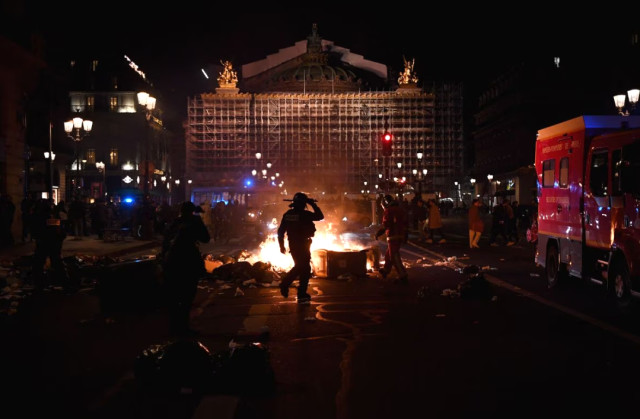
(364, 348)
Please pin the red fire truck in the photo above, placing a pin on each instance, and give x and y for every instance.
(588, 171)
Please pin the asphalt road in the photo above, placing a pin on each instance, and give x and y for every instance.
(364, 348)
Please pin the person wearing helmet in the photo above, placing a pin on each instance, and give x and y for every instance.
(298, 224)
(394, 225)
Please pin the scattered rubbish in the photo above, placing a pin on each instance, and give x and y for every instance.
(250, 281)
(501, 259)
(239, 292)
(447, 292)
(494, 298)
(310, 319)
(452, 259)
(534, 275)
(346, 277)
(441, 315)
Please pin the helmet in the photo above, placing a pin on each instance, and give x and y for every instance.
(387, 201)
(299, 200)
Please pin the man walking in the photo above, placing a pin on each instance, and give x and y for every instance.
(297, 224)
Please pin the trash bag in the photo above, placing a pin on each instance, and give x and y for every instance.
(244, 370)
(476, 286)
(186, 365)
(146, 367)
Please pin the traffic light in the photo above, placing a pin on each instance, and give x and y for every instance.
(387, 143)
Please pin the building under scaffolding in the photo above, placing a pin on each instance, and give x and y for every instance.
(308, 125)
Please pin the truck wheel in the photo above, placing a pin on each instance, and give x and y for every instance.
(553, 268)
(619, 282)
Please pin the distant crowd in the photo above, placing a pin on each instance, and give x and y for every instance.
(80, 218)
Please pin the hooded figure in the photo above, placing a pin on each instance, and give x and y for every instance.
(297, 224)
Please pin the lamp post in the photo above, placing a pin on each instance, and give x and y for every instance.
(473, 188)
(619, 100)
(148, 103)
(77, 129)
(457, 185)
(101, 169)
(50, 157)
(490, 179)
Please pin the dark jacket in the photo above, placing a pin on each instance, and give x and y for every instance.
(297, 223)
(394, 222)
(180, 251)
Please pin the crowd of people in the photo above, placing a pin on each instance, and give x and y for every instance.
(143, 218)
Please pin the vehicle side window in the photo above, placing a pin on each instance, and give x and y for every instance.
(548, 173)
(599, 173)
(564, 172)
(616, 167)
(630, 169)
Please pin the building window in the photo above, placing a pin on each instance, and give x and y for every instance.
(113, 157)
(113, 103)
(94, 65)
(91, 156)
(548, 173)
(91, 101)
(564, 172)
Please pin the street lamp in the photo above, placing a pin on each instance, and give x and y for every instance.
(101, 169)
(148, 103)
(619, 100)
(49, 157)
(490, 179)
(77, 129)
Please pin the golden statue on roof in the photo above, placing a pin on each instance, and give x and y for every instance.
(408, 76)
(228, 78)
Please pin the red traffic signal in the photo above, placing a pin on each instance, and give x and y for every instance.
(387, 143)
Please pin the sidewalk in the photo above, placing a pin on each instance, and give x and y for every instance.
(88, 245)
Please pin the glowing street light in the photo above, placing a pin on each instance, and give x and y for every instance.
(77, 129)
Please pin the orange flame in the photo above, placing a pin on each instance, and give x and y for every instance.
(324, 239)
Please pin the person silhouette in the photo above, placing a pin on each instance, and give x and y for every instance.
(298, 224)
(183, 265)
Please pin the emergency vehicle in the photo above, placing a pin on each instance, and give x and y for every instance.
(588, 173)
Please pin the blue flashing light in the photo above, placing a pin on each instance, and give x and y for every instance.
(248, 182)
(128, 200)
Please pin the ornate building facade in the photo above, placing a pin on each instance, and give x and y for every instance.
(311, 117)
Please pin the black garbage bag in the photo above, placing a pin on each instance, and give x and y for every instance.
(182, 366)
(146, 366)
(476, 286)
(187, 365)
(244, 370)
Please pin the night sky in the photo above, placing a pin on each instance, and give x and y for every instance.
(449, 42)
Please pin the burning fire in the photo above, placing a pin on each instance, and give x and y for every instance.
(325, 238)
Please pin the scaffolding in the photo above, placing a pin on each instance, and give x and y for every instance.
(329, 142)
